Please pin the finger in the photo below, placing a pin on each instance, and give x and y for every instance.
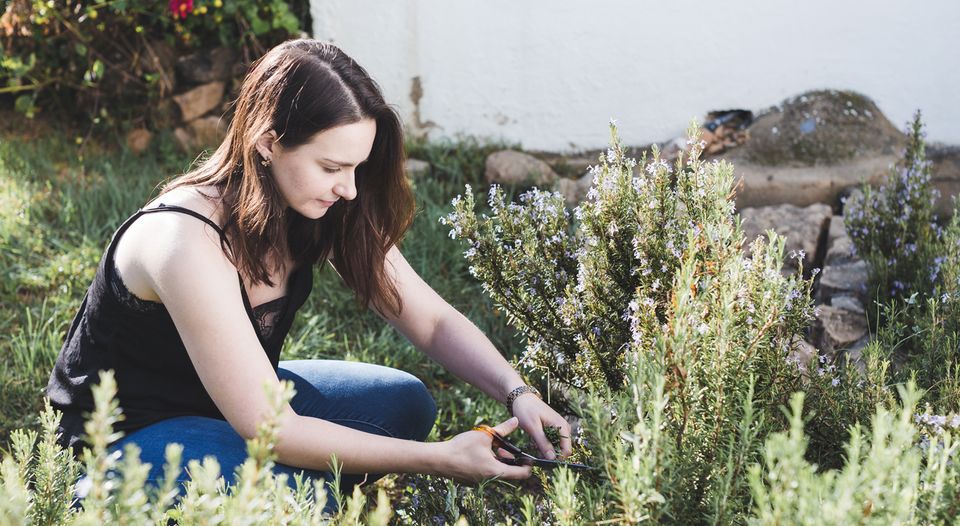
(544, 445)
(514, 472)
(503, 453)
(508, 426)
(566, 441)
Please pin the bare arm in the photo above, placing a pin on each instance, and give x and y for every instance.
(185, 267)
(448, 337)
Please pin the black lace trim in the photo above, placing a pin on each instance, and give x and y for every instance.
(128, 299)
(266, 315)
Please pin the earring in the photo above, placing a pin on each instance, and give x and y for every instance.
(265, 163)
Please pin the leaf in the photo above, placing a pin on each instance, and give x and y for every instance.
(258, 25)
(24, 105)
(95, 73)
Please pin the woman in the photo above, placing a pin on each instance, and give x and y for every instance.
(196, 292)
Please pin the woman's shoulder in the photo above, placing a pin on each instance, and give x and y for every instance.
(157, 232)
(204, 200)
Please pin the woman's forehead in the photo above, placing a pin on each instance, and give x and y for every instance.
(347, 144)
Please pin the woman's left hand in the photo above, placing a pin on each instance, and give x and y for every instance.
(534, 415)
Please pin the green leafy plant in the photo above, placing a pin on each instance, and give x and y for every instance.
(644, 292)
(894, 228)
(108, 60)
(914, 273)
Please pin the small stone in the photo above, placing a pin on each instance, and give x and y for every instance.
(837, 328)
(849, 303)
(801, 227)
(208, 131)
(574, 190)
(138, 140)
(416, 168)
(206, 66)
(854, 353)
(201, 133)
(837, 230)
(845, 279)
(199, 100)
(510, 167)
(802, 352)
(183, 138)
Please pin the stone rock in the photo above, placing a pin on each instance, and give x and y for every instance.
(416, 168)
(854, 353)
(199, 100)
(836, 231)
(843, 279)
(836, 328)
(575, 190)
(569, 166)
(802, 228)
(802, 353)
(850, 303)
(945, 174)
(821, 127)
(201, 133)
(760, 185)
(208, 131)
(184, 139)
(510, 167)
(840, 249)
(206, 66)
(138, 140)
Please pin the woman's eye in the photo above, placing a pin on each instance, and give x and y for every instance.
(331, 170)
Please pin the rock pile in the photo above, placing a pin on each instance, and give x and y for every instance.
(200, 82)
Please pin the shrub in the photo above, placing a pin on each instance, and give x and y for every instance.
(893, 228)
(37, 481)
(645, 294)
(886, 478)
(914, 270)
(99, 60)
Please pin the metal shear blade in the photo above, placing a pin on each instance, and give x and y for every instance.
(522, 458)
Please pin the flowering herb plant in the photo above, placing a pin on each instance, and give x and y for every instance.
(644, 297)
(914, 271)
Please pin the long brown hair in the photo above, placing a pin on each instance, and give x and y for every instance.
(298, 89)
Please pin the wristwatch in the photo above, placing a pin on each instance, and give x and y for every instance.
(523, 389)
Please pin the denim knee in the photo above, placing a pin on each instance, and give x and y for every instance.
(409, 407)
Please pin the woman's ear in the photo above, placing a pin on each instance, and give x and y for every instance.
(265, 144)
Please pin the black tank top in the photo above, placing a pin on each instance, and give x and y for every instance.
(155, 377)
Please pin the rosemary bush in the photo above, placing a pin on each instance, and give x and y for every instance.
(38, 481)
(894, 229)
(914, 271)
(886, 478)
(644, 296)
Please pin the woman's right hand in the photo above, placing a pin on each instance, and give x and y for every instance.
(469, 456)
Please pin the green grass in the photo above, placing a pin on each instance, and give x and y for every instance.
(60, 203)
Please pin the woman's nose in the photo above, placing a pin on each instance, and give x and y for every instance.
(347, 189)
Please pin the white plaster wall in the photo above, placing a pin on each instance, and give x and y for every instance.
(550, 73)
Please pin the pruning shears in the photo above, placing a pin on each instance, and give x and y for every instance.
(522, 458)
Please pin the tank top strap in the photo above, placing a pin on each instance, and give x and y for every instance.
(174, 208)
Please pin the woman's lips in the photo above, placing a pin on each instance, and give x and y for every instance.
(327, 204)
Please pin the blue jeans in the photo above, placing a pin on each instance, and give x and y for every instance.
(371, 398)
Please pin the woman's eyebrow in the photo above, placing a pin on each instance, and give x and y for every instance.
(342, 163)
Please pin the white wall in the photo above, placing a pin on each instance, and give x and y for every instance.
(550, 73)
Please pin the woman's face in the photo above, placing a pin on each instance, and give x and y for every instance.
(314, 176)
